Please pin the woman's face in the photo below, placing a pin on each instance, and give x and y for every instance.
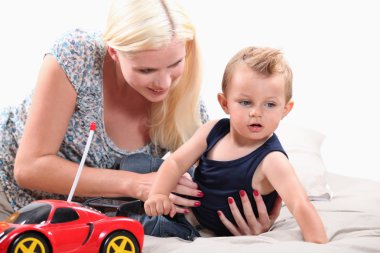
(151, 73)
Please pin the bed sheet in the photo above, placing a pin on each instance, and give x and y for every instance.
(351, 218)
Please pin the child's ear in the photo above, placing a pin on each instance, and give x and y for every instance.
(288, 107)
(113, 53)
(223, 102)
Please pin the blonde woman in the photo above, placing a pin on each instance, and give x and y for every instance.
(130, 79)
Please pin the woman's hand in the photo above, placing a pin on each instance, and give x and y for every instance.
(250, 225)
(185, 187)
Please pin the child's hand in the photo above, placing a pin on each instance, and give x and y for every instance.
(159, 204)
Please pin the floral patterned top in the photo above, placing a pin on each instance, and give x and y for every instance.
(81, 55)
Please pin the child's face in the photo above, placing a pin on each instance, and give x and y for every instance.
(256, 104)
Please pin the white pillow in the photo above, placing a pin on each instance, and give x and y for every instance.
(303, 146)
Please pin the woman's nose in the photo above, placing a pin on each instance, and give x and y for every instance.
(164, 81)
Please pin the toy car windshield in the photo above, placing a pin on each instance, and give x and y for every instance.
(35, 213)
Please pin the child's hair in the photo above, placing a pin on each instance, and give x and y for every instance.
(265, 61)
(139, 25)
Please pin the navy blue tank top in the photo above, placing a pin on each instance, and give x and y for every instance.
(222, 179)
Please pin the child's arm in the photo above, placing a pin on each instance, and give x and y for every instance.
(172, 169)
(281, 175)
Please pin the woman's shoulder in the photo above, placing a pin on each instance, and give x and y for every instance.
(80, 53)
(78, 43)
(78, 36)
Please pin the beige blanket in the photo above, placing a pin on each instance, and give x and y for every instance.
(352, 220)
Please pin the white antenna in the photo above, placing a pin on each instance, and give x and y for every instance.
(79, 172)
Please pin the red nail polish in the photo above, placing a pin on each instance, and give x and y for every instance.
(196, 204)
(186, 211)
(219, 213)
(242, 193)
(200, 194)
(230, 200)
(256, 193)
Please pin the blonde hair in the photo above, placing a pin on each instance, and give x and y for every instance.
(266, 61)
(139, 25)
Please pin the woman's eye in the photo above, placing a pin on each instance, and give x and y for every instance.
(176, 64)
(145, 71)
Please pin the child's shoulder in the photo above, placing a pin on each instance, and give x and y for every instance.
(212, 123)
(207, 127)
(276, 160)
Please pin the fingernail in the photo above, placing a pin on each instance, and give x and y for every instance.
(219, 213)
(200, 194)
(242, 193)
(197, 203)
(230, 200)
(256, 193)
(186, 211)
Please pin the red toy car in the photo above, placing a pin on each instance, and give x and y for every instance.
(47, 226)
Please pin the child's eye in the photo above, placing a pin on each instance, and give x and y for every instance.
(270, 104)
(245, 102)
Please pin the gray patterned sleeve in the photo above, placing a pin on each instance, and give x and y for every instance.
(203, 112)
(70, 52)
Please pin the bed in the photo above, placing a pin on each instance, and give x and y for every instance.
(349, 208)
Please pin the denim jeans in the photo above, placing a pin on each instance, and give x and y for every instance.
(140, 163)
(160, 226)
(164, 226)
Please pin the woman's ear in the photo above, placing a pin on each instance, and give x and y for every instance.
(113, 53)
(288, 107)
(223, 102)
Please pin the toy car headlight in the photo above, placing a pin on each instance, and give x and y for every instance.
(5, 232)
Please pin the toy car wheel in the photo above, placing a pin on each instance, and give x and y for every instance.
(29, 242)
(120, 241)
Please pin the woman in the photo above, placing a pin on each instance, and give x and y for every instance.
(131, 80)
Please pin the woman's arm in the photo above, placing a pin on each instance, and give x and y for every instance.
(37, 165)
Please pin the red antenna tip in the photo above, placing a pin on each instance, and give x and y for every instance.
(93, 126)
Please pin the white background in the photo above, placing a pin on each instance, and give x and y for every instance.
(332, 46)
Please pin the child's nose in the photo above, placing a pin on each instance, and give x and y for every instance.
(255, 112)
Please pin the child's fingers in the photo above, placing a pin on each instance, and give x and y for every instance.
(158, 206)
(164, 207)
(150, 209)
(173, 210)
(147, 210)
